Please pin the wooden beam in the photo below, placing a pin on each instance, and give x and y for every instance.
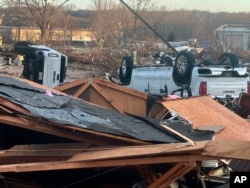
(60, 165)
(6, 110)
(74, 152)
(31, 159)
(70, 85)
(148, 174)
(122, 89)
(67, 131)
(80, 90)
(39, 150)
(176, 133)
(173, 174)
(136, 151)
(13, 107)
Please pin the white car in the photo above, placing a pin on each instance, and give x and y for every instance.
(182, 76)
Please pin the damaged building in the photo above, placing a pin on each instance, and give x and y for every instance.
(82, 134)
(233, 36)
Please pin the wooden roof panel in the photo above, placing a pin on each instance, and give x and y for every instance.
(205, 111)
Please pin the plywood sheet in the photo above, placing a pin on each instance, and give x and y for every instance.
(204, 111)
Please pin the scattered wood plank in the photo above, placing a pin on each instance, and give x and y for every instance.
(136, 151)
(62, 165)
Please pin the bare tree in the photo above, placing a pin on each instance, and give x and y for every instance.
(140, 7)
(106, 22)
(66, 23)
(116, 23)
(40, 12)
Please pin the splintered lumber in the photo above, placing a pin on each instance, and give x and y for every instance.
(136, 151)
(60, 165)
(67, 131)
(172, 174)
(10, 107)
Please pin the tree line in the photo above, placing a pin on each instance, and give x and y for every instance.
(115, 23)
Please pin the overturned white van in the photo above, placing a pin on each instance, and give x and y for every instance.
(42, 64)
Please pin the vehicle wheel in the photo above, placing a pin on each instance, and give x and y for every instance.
(22, 44)
(166, 60)
(184, 64)
(229, 59)
(125, 69)
(23, 48)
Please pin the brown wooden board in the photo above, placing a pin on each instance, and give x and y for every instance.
(60, 165)
(204, 111)
(136, 151)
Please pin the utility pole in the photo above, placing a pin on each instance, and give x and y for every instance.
(19, 20)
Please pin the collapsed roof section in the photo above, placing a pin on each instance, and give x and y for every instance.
(66, 110)
(43, 129)
(202, 112)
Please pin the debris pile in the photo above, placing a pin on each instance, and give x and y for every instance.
(51, 138)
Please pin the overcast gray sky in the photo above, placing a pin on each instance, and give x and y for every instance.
(209, 5)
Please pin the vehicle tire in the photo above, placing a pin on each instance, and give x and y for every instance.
(184, 64)
(125, 69)
(166, 60)
(23, 48)
(22, 44)
(229, 59)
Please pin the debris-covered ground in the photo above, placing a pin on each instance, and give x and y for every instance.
(87, 151)
(81, 64)
(97, 61)
(84, 62)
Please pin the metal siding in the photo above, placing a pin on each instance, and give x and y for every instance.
(233, 36)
